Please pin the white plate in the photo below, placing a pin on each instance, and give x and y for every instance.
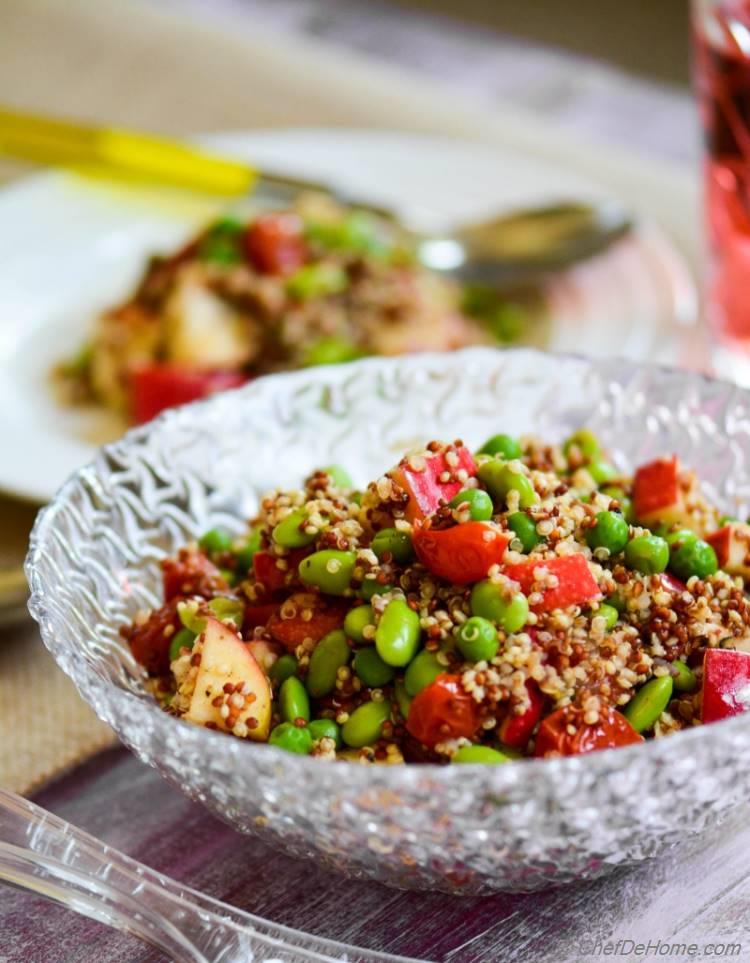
(68, 248)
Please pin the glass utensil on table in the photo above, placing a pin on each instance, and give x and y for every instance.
(43, 853)
(721, 53)
(504, 249)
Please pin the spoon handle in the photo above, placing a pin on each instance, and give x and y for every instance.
(43, 853)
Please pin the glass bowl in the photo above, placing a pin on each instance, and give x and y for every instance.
(94, 562)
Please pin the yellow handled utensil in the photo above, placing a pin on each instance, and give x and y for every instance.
(130, 154)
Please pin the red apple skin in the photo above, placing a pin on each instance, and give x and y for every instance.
(658, 495)
(225, 658)
(426, 492)
(462, 554)
(732, 546)
(726, 684)
(576, 582)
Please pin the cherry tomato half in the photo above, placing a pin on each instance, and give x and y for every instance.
(443, 710)
(612, 730)
(275, 243)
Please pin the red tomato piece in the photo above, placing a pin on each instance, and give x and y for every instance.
(461, 554)
(155, 387)
(292, 632)
(726, 684)
(443, 710)
(256, 615)
(275, 243)
(612, 730)
(267, 571)
(425, 490)
(576, 584)
(191, 573)
(148, 642)
(515, 730)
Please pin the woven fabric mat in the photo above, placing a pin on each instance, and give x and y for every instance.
(124, 62)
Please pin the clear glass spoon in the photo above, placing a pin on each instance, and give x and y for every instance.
(44, 854)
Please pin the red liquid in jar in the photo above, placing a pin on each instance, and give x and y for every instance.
(722, 64)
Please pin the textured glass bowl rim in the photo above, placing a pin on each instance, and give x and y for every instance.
(396, 777)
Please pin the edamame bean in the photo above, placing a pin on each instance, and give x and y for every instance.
(684, 678)
(371, 587)
(500, 479)
(228, 610)
(328, 656)
(477, 639)
(364, 725)
(504, 445)
(290, 531)
(610, 615)
(423, 669)
(524, 528)
(648, 703)
(215, 540)
(357, 620)
(292, 738)
(601, 471)
(397, 634)
(339, 476)
(611, 532)
(284, 667)
(480, 754)
(246, 552)
(403, 699)
(184, 639)
(585, 441)
(331, 350)
(648, 554)
(317, 281)
(693, 558)
(478, 501)
(679, 538)
(330, 570)
(489, 601)
(326, 729)
(626, 505)
(293, 700)
(397, 543)
(727, 520)
(370, 668)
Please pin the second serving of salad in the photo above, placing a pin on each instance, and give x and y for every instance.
(524, 600)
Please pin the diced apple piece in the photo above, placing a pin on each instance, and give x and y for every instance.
(424, 486)
(732, 546)
(726, 684)
(574, 581)
(659, 494)
(265, 653)
(226, 660)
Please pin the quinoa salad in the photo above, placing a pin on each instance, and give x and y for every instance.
(524, 600)
(316, 284)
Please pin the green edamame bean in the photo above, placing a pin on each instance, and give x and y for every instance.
(397, 543)
(356, 621)
(326, 729)
(364, 725)
(215, 540)
(339, 476)
(626, 505)
(423, 669)
(648, 703)
(477, 639)
(505, 445)
(371, 587)
(648, 554)
(524, 528)
(328, 656)
(727, 520)
(679, 538)
(684, 678)
(290, 531)
(611, 532)
(228, 610)
(331, 350)
(330, 570)
(284, 667)
(480, 754)
(317, 281)
(499, 479)
(370, 668)
(292, 738)
(694, 558)
(585, 441)
(397, 634)
(610, 615)
(245, 554)
(479, 502)
(184, 639)
(294, 702)
(403, 699)
(601, 471)
(488, 601)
